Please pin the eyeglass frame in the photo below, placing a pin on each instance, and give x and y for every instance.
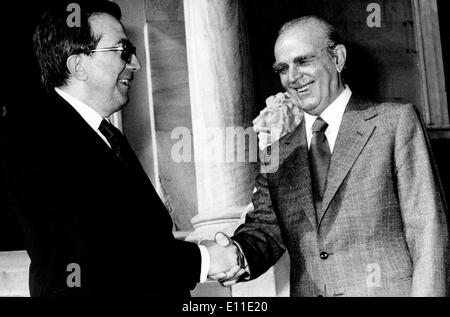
(126, 45)
(311, 57)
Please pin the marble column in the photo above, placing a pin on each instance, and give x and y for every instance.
(222, 98)
(14, 273)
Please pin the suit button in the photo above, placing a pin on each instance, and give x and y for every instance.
(323, 255)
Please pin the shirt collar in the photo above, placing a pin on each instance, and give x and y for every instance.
(332, 115)
(92, 117)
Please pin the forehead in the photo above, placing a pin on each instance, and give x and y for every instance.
(108, 28)
(297, 41)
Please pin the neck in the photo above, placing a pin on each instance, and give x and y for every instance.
(340, 89)
(341, 86)
(81, 95)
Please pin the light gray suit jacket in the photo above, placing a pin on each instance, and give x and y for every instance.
(382, 228)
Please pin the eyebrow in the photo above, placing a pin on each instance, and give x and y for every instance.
(305, 57)
(277, 65)
(122, 41)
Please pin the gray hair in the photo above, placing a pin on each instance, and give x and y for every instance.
(328, 32)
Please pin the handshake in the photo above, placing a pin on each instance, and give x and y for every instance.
(227, 263)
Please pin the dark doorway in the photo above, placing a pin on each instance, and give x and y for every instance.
(20, 82)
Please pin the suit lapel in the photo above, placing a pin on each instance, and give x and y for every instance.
(354, 132)
(295, 170)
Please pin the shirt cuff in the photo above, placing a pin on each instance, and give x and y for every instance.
(245, 263)
(205, 263)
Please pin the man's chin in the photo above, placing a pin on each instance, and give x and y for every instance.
(309, 106)
(120, 105)
(124, 100)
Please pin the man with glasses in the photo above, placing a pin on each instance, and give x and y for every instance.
(356, 201)
(92, 222)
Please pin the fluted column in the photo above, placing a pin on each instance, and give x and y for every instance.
(222, 98)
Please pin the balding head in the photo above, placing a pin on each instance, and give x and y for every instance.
(318, 27)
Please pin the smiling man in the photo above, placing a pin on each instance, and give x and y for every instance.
(356, 201)
(309, 63)
(92, 221)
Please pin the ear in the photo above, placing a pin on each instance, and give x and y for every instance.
(340, 53)
(76, 68)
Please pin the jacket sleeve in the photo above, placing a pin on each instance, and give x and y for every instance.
(260, 235)
(184, 260)
(422, 206)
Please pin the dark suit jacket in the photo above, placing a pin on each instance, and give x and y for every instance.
(382, 228)
(77, 203)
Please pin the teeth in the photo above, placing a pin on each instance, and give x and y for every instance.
(304, 88)
(125, 82)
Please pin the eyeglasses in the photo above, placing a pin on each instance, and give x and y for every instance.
(300, 61)
(127, 49)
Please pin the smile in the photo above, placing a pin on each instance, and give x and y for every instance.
(125, 82)
(304, 88)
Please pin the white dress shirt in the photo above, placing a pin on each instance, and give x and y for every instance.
(94, 119)
(332, 115)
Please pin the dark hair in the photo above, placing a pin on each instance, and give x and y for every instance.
(330, 34)
(54, 40)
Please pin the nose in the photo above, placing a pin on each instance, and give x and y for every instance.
(134, 64)
(294, 74)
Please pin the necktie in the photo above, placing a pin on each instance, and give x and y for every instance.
(119, 144)
(319, 159)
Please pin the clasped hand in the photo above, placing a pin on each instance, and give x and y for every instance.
(226, 265)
